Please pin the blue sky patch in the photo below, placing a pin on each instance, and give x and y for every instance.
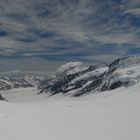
(3, 33)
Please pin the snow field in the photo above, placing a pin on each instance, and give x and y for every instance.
(111, 115)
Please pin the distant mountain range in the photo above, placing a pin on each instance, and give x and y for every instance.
(74, 79)
(18, 79)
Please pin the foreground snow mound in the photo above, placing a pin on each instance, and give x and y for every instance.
(76, 80)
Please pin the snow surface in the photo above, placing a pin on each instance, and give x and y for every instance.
(90, 74)
(110, 115)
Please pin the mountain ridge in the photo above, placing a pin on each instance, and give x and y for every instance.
(121, 72)
(74, 79)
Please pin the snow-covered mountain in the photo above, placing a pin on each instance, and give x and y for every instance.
(74, 79)
(18, 79)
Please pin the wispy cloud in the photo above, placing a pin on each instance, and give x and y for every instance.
(68, 29)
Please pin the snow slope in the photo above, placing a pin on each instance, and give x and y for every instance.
(110, 115)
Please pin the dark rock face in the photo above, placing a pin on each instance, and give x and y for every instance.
(94, 78)
(116, 85)
(2, 99)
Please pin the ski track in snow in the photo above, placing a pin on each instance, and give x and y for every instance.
(111, 115)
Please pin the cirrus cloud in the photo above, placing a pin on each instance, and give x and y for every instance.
(62, 30)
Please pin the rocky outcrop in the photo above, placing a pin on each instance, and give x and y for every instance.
(78, 80)
(2, 98)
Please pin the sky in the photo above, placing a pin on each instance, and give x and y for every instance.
(42, 34)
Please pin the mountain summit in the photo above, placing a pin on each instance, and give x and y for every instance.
(76, 80)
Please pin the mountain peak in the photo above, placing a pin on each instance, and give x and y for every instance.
(121, 72)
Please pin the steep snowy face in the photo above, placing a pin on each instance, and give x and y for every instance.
(77, 80)
(72, 77)
(122, 72)
(125, 62)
